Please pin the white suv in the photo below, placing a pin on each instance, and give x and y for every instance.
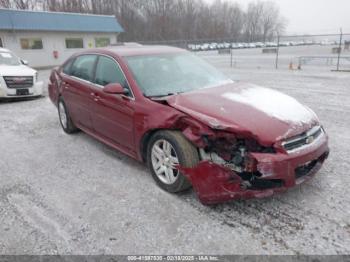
(16, 78)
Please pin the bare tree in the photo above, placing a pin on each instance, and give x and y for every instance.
(145, 20)
(272, 23)
(5, 4)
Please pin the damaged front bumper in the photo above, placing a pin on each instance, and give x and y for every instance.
(215, 183)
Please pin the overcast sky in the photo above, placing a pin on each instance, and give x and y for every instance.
(313, 16)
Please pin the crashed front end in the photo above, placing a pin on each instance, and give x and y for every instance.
(235, 167)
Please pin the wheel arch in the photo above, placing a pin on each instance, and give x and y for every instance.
(146, 139)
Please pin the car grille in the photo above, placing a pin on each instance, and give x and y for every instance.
(18, 81)
(303, 139)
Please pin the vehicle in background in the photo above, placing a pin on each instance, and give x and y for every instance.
(326, 42)
(190, 123)
(17, 80)
(194, 47)
(213, 46)
(234, 46)
(191, 47)
(220, 46)
(227, 45)
(271, 44)
(284, 44)
(309, 42)
(259, 45)
(205, 47)
(197, 47)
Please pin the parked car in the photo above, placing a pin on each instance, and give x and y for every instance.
(205, 47)
(16, 78)
(251, 45)
(234, 46)
(213, 46)
(190, 123)
(220, 46)
(197, 47)
(271, 44)
(259, 44)
(191, 47)
(284, 44)
(227, 45)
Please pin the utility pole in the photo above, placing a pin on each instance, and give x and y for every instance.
(340, 46)
(278, 50)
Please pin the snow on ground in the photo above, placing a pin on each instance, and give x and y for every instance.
(73, 195)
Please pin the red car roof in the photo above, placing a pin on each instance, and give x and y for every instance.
(139, 50)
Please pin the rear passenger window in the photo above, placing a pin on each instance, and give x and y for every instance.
(83, 67)
(67, 67)
(107, 72)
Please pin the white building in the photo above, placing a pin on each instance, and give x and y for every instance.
(47, 39)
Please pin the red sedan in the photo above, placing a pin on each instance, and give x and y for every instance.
(191, 124)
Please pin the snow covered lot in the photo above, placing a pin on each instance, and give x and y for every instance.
(73, 195)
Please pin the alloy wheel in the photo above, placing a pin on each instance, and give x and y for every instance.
(164, 161)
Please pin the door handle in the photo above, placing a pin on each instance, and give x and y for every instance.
(95, 96)
(66, 85)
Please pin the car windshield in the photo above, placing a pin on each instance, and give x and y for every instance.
(10, 59)
(162, 75)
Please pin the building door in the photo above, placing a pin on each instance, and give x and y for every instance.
(1, 44)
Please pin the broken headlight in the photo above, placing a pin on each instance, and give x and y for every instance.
(234, 153)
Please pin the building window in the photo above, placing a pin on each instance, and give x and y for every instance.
(31, 43)
(102, 41)
(1, 45)
(74, 43)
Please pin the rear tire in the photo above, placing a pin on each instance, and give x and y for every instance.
(65, 119)
(167, 149)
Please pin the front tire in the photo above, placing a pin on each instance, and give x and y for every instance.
(166, 150)
(65, 119)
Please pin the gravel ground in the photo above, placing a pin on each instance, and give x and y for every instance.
(62, 194)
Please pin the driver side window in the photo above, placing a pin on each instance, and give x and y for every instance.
(107, 72)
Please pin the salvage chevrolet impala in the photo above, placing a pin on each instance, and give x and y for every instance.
(191, 124)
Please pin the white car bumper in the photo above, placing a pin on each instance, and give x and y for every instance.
(35, 90)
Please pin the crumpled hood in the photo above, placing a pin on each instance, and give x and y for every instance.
(264, 114)
(19, 70)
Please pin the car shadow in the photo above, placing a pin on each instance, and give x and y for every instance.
(20, 99)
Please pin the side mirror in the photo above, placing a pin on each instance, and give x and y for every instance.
(24, 62)
(114, 88)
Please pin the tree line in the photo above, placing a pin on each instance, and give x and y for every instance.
(158, 20)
